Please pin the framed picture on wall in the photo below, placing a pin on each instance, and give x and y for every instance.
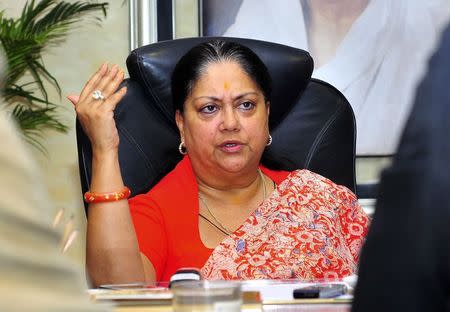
(373, 51)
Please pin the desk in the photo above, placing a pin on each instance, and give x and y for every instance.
(301, 305)
(154, 299)
(253, 308)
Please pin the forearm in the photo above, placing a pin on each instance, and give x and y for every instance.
(112, 253)
(112, 249)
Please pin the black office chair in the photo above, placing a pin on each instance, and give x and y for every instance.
(311, 122)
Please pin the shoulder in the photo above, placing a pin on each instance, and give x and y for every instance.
(176, 187)
(180, 178)
(323, 196)
(315, 183)
(306, 178)
(312, 177)
(276, 175)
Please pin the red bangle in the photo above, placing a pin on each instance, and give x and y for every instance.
(91, 197)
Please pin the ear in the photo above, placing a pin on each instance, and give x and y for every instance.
(179, 119)
(268, 108)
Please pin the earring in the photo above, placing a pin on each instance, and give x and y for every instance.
(182, 148)
(269, 141)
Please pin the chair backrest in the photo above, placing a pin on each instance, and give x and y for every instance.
(311, 122)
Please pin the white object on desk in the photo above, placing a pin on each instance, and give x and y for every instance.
(130, 294)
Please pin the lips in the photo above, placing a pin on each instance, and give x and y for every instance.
(231, 146)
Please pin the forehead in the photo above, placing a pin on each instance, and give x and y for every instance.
(224, 75)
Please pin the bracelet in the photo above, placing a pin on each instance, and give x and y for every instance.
(91, 197)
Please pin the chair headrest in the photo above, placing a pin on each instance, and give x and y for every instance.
(290, 69)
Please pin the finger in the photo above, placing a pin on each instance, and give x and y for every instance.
(92, 82)
(90, 86)
(107, 85)
(107, 79)
(111, 88)
(73, 98)
(113, 100)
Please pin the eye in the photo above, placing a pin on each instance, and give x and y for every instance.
(246, 105)
(208, 109)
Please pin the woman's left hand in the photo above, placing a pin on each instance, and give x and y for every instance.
(95, 109)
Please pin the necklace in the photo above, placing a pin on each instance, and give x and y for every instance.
(213, 224)
(219, 224)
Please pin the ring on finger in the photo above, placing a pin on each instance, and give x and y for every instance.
(98, 95)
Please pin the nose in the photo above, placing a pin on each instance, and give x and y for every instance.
(230, 120)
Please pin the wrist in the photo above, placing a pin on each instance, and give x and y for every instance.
(106, 175)
(105, 156)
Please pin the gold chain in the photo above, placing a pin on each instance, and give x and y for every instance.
(223, 227)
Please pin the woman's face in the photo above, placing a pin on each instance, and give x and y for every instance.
(225, 120)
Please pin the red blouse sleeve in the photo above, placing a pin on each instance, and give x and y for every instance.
(150, 231)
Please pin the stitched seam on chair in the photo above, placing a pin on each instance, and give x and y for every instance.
(138, 147)
(321, 135)
(86, 176)
(341, 103)
(150, 88)
(83, 160)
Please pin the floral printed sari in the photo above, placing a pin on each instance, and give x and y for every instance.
(308, 228)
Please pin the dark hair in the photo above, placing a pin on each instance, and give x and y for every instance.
(194, 63)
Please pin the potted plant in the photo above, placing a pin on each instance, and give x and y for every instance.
(24, 39)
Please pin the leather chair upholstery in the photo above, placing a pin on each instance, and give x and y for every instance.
(311, 122)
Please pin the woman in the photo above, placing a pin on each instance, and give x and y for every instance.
(219, 209)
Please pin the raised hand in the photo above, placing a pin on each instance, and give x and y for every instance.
(95, 108)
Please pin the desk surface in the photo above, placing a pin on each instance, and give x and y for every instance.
(316, 307)
(272, 294)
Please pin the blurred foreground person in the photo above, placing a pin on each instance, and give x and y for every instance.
(34, 275)
(405, 263)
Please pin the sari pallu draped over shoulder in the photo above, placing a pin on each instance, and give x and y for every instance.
(308, 228)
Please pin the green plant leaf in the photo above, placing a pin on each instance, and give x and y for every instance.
(20, 93)
(41, 25)
(35, 121)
